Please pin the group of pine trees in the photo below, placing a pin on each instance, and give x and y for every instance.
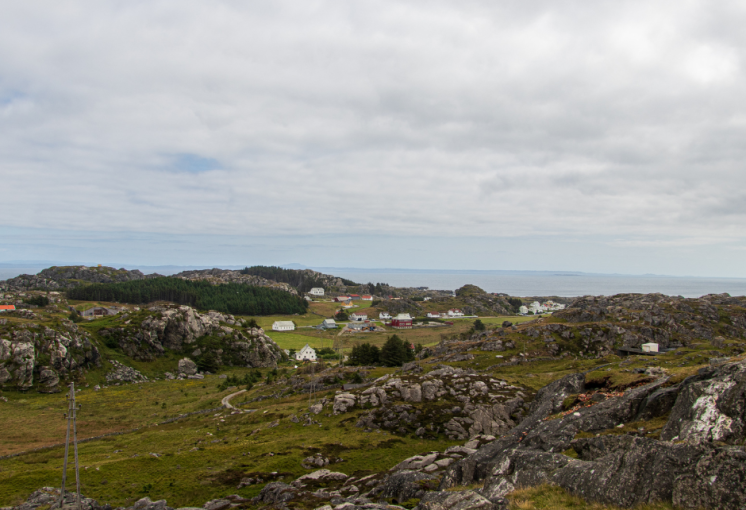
(233, 298)
(394, 353)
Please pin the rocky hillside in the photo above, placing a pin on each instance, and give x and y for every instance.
(65, 277)
(470, 299)
(41, 354)
(225, 340)
(218, 276)
(41, 351)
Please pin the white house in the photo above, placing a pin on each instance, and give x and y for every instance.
(455, 312)
(283, 326)
(523, 310)
(316, 291)
(358, 317)
(306, 354)
(366, 298)
(433, 315)
(384, 315)
(328, 324)
(535, 307)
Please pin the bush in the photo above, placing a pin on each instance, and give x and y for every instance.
(479, 325)
(341, 315)
(208, 362)
(37, 300)
(75, 316)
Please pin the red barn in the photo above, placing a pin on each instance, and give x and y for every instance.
(402, 321)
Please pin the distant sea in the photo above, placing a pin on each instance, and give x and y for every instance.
(545, 283)
(515, 283)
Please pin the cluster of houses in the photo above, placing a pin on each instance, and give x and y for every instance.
(538, 308)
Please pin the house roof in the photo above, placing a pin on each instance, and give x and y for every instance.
(354, 295)
(7, 307)
(360, 314)
(283, 323)
(403, 317)
(367, 295)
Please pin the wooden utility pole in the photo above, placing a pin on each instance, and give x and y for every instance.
(72, 410)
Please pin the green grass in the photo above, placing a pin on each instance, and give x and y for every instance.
(551, 497)
(180, 475)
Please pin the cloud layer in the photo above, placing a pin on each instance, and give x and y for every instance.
(624, 121)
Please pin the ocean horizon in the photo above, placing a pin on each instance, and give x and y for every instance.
(513, 282)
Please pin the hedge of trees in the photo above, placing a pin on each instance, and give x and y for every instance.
(394, 353)
(230, 298)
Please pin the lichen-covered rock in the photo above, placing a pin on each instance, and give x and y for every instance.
(711, 407)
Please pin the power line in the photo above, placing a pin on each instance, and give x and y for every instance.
(72, 410)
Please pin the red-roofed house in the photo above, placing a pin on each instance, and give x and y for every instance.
(7, 308)
(355, 297)
(367, 298)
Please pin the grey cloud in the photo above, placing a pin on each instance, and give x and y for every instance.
(466, 118)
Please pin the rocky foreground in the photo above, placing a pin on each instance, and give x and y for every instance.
(697, 460)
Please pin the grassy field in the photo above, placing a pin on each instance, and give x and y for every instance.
(197, 458)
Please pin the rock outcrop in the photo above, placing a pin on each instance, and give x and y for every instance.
(66, 277)
(696, 470)
(183, 329)
(30, 351)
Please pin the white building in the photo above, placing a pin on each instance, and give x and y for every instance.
(306, 354)
(535, 307)
(366, 297)
(523, 310)
(384, 315)
(433, 315)
(316, 291)
(358, 317)
(283, 326)
(328, 324)
(455, 312)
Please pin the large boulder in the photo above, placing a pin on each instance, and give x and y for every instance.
(404, 485)
(342, 402)
(187, 367)
(458, 500)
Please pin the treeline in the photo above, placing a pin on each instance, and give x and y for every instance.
(394, 353)
(230, 298)
(295, 277)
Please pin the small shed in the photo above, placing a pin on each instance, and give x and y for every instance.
(651, 347)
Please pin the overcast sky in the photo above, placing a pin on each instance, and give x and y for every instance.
(593, 136)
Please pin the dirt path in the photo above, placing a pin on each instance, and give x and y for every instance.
(226, 400)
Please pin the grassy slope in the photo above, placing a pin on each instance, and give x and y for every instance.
(185, 476)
